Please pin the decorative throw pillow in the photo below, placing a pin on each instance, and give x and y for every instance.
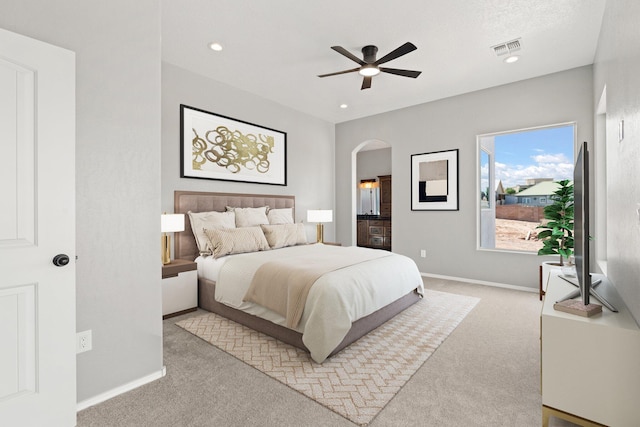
(281, 235)
(209, 220)
(227, 241)
(280, 216)
(250, 217)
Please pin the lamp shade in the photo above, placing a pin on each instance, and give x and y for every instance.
(170, 223)
(320, 215)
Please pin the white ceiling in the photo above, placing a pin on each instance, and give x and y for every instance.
(276, 48)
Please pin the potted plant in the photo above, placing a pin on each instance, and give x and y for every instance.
(557, 232)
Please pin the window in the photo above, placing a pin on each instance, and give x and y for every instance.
(517, 175)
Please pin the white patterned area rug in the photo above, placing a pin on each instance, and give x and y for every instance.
(361, 379)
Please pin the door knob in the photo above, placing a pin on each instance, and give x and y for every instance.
(61, 260)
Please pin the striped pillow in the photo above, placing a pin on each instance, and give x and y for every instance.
(236, 240)
(282, 235)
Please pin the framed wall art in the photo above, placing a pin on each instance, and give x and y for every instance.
(218, 147)
(434, 181)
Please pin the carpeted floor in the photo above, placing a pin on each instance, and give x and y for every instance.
(486, 373)
(359, 381)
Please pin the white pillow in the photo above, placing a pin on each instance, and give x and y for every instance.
(280, 216)
(281, 235)
(210, 220)
(226, 241)
(250, 217)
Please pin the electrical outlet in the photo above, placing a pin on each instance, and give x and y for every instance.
(423, 253)
(83, 341)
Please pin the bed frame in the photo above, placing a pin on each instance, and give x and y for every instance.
(186, 248)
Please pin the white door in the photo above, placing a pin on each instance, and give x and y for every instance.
(37, 222)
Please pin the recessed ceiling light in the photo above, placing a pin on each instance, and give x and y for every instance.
(343, 106)
(215, 46)
(511, 59)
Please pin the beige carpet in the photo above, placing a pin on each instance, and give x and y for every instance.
(360, 380)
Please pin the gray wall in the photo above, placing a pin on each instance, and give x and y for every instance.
(617, 66)
(310, 143)
(373, 163)
(117, 45)
(450, 237)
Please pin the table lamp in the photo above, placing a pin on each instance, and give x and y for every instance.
(320, 216)
(169, 223)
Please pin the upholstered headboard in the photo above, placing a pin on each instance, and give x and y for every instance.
(198, 201)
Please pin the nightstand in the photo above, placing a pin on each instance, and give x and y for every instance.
(179, 288)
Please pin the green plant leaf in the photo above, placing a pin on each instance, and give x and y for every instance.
(544, 234)
(557, 233)
(547, 251)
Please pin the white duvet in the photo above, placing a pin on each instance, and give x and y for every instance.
(336, 300)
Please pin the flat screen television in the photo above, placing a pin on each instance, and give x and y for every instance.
(586, 287)
(581, 222)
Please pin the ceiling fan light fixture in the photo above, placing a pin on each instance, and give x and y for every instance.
(369, 66)
(369, 71)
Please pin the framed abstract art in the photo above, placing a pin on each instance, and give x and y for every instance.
(222, 148)
(434, 181)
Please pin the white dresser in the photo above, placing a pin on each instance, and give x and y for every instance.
(590, 366)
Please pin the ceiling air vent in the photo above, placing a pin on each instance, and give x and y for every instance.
(513, 45)
(507, 47)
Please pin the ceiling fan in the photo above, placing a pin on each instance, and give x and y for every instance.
(370, 67)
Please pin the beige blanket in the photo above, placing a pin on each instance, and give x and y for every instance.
(283, 285)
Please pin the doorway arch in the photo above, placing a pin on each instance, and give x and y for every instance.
(370, 144)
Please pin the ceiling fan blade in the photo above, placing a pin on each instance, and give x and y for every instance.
(397, 72)
(348, 54)
(366, 83)
(402, 50)
(340, 72)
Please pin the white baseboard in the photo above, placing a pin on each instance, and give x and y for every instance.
(481, 282)
(121, 389)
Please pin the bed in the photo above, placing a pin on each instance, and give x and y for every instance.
(322, 329)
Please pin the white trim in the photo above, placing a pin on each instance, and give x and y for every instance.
(526, 200)
(532, 128)
(481, 282)
(121, 389)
